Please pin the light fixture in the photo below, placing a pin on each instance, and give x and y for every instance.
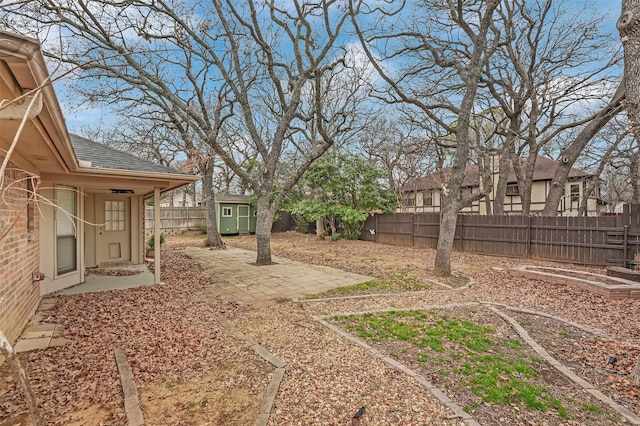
(122, 191)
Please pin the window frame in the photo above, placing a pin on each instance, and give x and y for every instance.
(427, 198)
(120, 221)
(227, 211)
(512, 190)
(409, 199)
(574, 195)
(63, 239)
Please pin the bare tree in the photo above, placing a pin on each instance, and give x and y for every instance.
(200, 64)
(440, 49)
(404, 152)
(544, 79)
(343, 92)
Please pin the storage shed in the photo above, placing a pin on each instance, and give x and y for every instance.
(235, 214)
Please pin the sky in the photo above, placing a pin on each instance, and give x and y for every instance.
(80, 116)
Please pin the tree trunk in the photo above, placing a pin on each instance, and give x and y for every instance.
(571, 153)
(451, 204)
(321, 232)
(634, 168)
(213, 236)
(629, 28)
(263, 230)
(501, 187)
(446, 235)
(525, 190)
(590, 187)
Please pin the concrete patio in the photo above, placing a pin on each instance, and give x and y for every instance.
(235, 279)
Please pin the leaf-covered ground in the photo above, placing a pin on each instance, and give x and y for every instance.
(169, 339)
(190, 371)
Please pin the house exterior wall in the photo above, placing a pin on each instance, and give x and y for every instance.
(569, 205)
(19, 257)
(90, 255)
(179, 198)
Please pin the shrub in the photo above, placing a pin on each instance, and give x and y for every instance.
(151, 242)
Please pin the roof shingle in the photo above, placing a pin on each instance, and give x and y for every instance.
(545, 169)
(103, 157)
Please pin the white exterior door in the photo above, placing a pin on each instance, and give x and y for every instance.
(113, 239)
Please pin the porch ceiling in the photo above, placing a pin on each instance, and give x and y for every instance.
(104, 181)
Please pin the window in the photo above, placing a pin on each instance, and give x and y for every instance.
(114, 216)
(65, 216)
(575, 192)
(409, 199)
(428, 197)
(227, 212)
(512, 189)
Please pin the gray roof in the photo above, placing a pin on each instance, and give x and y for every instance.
(544, 169)
(103, 157)
(232, 198)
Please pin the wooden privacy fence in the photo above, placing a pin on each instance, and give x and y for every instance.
(174, 220)
(602, 240)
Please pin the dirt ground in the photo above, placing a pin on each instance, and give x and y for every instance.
(190, 371)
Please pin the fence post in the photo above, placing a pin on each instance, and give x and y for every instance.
(624, 246)
(413, 229)
(529, 238)
(375, 236)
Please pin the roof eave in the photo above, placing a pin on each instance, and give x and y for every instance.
(28, 49)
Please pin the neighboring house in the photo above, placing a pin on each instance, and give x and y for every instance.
(180, 198)
(235, 214)
(89, 207)
(423, 195)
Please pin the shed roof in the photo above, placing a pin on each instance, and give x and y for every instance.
(232, 198)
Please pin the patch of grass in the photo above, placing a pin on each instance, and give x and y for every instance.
(500, 380)
(422, 357)
(565, 334)
(400, 281)
(536, 360)
(491, 375)
(516, 345)
(367, 286)
(592, 408)
(470, 408)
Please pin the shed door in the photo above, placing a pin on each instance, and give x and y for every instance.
(243, 219)
(114, 233)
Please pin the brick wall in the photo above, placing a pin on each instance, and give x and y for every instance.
(19, 253)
